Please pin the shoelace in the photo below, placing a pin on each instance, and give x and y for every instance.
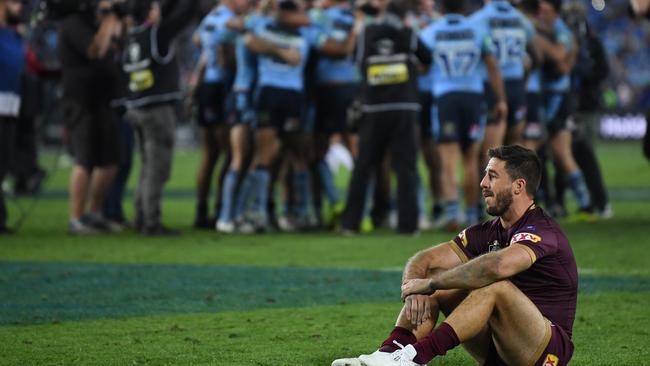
(397, 355)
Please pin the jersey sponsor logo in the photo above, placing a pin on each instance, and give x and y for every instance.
(494, 247)
(551, 360)
(387, 74)
(141, 80)
(463, 237)
(525, 237)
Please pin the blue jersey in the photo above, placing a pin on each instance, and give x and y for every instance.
(246, 61)
(534, 83)
(458, 45)
(275, 72)
(337, 23)
(213, 32)
(564, 36)
(12, 62)
(510, 32)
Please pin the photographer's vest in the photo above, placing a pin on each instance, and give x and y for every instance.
(386, 54)
(152, 78)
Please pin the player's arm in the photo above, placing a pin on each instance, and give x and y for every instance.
(431, 261)
(420, 267)
(477, 273)
(556, 51)
(263, 47)
(101, 42)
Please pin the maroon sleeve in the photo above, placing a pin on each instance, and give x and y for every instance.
(539, 241)
(467, 243)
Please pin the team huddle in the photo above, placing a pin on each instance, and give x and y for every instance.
(281, 86)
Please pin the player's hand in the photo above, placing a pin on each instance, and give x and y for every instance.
(417, 308)
(416, 286)
(501, 111)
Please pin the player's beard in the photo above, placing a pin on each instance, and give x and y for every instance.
(12, 19)
(503, 200)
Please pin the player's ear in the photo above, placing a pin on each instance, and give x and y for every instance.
(519, 186)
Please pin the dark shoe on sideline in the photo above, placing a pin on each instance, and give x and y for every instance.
(203, 222)
(160, 230)
(6, 231)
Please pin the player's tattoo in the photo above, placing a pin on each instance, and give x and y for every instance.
(474, 274)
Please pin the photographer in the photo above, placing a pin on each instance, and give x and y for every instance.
(89, 74)
(12, 62)
(149, 62)
(587, 79)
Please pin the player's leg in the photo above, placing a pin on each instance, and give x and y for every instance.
(209, 101)
(472, 126)
(495, 128)
(519, 331)
(534, 131)
(406, 333)
(446, 132)
(560, 143)
(516, 120)
(208, 158)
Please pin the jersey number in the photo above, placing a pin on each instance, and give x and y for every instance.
(457, 61)
(509, 44)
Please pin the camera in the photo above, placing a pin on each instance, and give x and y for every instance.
(119, 8)
(59, 9)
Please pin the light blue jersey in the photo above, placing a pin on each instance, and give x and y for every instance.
(337, 23)
(458, 46)
(510, 32)
(275, 72)
(534, 83)
(564, 36)
(246, 61)
(213, 32)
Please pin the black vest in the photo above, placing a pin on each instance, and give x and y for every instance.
(385, 53)
(152, 78)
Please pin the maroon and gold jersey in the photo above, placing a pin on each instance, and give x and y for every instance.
(551, 283)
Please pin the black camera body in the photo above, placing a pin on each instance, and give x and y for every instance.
(59, 9)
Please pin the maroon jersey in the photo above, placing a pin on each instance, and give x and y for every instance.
(551, 283)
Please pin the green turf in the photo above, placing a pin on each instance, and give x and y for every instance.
(611, 326)
(303, 336)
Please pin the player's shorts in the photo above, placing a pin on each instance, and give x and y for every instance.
(535, 128)
(211, 100)
(333, 102)
(516, 99)
(426, 113)
(460, 118)
(280, 109)
(93, 134)
(558, 350)
(557, 109)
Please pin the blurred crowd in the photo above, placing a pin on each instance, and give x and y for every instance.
(285, 92)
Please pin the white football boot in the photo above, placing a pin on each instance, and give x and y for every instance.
(347, 362)
(402, 357)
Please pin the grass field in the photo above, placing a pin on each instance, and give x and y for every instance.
(279, 299)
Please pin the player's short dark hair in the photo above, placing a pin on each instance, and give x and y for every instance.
(453, 6)
(400, 7)
(521, 163)
(529, 6)
(556, 4)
